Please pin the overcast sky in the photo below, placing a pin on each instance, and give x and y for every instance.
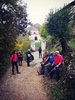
(38, 9)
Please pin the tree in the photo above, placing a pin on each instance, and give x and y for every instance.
(12, 17)
(23, 43)
(43, 31)
(12, 21)
(21, 18)
(57, 25)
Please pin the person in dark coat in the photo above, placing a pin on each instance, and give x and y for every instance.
(40, 52)
(28, 56)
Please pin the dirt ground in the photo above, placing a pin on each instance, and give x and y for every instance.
(25, 86)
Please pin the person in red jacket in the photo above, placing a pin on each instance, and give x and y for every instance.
(13, 60)
(56, 65)
(20, 58)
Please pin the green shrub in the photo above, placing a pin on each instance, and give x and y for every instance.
(72, 44)
(55, 89)
(37, 44)
(3, 69)
(4, 65)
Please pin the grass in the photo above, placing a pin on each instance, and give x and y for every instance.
(50, 50)
(53, 89)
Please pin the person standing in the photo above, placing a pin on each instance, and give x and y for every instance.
(28, 57)
(13, 60)
(40, 52)
(20, 58)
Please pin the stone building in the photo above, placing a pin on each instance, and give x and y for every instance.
(36, 39)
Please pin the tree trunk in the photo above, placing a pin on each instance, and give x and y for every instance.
(64, 45)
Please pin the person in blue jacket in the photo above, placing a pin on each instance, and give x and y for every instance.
(48, 65)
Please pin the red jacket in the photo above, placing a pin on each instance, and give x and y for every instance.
(19, 55)
(13, 57)
(58, 59)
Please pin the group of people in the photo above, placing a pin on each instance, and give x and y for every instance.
(16, 59)
(52, 64)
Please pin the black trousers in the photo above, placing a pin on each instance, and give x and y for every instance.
(57, 71)
(28, 62)
(14, 64)
(20, 61)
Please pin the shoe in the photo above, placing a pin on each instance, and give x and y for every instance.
(18, 73)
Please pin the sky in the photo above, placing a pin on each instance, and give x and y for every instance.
(38, 9)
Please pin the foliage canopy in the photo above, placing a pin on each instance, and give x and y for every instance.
(57, 25)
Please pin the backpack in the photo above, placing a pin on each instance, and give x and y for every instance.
(32, 57)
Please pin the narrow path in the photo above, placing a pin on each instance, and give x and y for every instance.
(25, 86)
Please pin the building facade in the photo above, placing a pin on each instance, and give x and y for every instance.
(36, 39)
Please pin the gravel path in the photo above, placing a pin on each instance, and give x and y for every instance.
(25, 86)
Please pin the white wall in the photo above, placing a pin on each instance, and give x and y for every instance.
(39, 39)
